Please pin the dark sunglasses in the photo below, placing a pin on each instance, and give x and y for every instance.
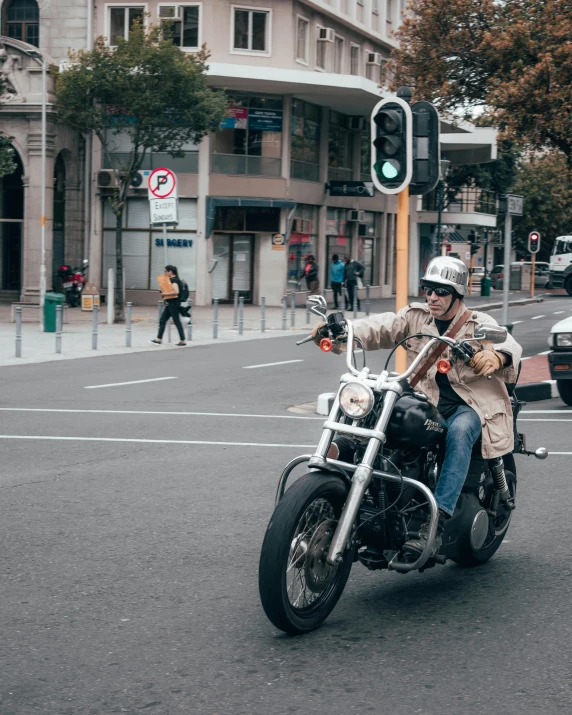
(440, 292)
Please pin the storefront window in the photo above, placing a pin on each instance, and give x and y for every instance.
(143, 249)
(339, 148)
(249, 140)
(338, 238)
(366, 246)
(302, 242)
(305, 141)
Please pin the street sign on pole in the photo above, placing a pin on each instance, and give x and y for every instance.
(162, 184)
(162, 190)
(163, 210)
(350, 188)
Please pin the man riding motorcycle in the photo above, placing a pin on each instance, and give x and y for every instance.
(472, 405)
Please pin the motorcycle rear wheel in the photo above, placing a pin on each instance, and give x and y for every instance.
(298, 589)
(498, 528)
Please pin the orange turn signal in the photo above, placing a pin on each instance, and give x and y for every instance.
(443, 366)
(326, 345)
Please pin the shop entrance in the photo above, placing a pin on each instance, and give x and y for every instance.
(234, 268)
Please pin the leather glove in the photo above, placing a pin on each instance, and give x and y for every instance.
(316, 337)
(485, 362)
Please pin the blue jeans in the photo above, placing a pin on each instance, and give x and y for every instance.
(464, 430)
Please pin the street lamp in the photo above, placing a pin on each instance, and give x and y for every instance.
(443, 169)
(37, 55)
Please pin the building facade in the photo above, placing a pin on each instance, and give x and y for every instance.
(301, 80)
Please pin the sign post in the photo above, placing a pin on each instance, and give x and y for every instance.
(163, 205)
(511, 205)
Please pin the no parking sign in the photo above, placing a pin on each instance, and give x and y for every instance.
(162, 184)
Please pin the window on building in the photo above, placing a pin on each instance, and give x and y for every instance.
(302, 37)
(365, 156)
(338, 236)
(338, 55)
(249, 140)
(355, 59)
(121, 21)
(321, 50)
(23, 21)
(339, 148)
(184, 24)
(305, 141)
(251, 30)
(375, 15)
(303, 240)
(359, 11)
(390, 17)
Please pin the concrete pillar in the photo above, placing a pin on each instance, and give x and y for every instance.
(320, 251)
(32, 251)
(96, 229)
(204, 244)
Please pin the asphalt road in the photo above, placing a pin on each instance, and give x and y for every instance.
(129, 568)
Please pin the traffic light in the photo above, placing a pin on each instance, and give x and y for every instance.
(391, 155)
(533, 242)
(426, 148)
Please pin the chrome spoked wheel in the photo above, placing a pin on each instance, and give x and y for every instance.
(298, 588)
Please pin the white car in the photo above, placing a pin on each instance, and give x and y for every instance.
(560, 359)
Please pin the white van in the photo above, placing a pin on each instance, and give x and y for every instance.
(561, 264)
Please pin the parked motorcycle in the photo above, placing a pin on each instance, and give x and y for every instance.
(341, 512)
(73, 282)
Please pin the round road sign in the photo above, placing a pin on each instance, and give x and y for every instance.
(162, 184)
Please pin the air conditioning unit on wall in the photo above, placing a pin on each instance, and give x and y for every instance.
(374, 58)
(109, 179)
(170, 12)
(302, 225)
(326, 34)
(139, 181)
(356, 215)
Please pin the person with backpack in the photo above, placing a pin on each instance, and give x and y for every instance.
(173, 306)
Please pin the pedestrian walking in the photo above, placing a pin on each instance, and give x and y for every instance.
(337, 270)
(172, 307)
(311, 275)
(353, 273)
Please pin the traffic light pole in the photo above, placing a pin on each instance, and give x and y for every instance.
(402, 264)
(506, 271)
(533, 274)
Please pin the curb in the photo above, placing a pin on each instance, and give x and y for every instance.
(532, 392)
(492, 306)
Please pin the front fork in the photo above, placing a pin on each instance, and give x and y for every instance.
(360, 483)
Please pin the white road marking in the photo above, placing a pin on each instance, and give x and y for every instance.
(516, 322)
(154, 412)
(551, 453)
(557, 312)
(545, 352)
(270, 364)
(133, 382)
(539, 419)
(153, 441)
(546, 412)
(537, 317)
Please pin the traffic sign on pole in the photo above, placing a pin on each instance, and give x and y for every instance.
(162, 184)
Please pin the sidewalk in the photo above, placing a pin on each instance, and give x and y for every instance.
(76, 341)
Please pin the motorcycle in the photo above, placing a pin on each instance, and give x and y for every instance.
(73, 282)
(340, 512)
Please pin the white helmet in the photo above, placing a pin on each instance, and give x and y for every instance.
(449, 272)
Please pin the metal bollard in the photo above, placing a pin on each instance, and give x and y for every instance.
(293, 310)
(94, 325)
(215, 318)
(367, 303)
(190, 330)
(307, 308)
(235, 316)
(262, 314)
(128, 307)
(159, 311)
(284, 310)
(19, 331)
(355, 302)
(240, 315)
(59, 316)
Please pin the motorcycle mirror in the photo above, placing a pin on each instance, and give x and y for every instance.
(541, 453)
(318, 305)
(85, 262)
(490, 333)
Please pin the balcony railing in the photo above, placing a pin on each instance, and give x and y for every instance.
(479, 201)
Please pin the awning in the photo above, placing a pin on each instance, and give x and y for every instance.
(454, 237)
(214, 201)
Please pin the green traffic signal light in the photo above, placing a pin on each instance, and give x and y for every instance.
(388, 169)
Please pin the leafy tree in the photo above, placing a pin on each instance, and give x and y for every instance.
(512, 58)
(145, 89)
(7, 163)
(547, 190)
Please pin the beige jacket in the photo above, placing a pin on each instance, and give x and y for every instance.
(489, 398)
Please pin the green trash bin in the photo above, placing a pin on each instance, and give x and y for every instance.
(52, 301)
(486, 286)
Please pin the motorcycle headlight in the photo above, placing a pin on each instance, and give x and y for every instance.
(563, 340)
(356, 400)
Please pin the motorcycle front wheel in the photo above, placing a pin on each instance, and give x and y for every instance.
(298, 588)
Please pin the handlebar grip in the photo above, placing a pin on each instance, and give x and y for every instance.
(304, 340)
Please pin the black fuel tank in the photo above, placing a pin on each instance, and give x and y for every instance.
(415, 422)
